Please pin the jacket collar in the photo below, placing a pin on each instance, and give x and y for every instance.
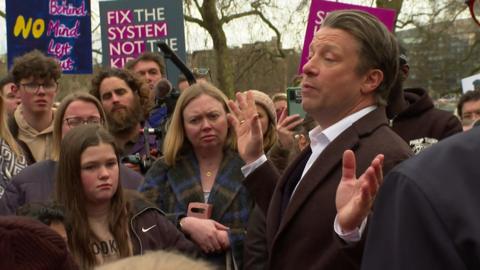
(187, 185)
(326, 163)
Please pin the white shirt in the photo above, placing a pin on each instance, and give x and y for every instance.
(319, 140)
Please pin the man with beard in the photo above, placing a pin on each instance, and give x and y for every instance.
(125, 99)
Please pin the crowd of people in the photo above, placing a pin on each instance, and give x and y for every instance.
(239, 184)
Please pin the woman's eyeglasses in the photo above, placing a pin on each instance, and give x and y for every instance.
(77, 121)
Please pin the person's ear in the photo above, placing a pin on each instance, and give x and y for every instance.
(302, 141)
(372, 80)
(14, 88)
(404, 70)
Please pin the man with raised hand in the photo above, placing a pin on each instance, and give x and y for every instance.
(353, 63)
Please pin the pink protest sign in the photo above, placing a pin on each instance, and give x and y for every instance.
(319, 10)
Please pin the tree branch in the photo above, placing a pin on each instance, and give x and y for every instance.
(401, 24)
(279, 36)
(96, 27)
(195, 20)
(474, 70)
(198, 6)
(252, 58)
(227, 19)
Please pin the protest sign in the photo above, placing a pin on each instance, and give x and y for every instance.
(471, 83)
(319, 10)
(58, 28)
(130, 28)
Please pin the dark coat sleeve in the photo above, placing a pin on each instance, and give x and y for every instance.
(261, 184)
(163, 236)
(255, 246)
(406, 231)
(452, 126)
(174, 238)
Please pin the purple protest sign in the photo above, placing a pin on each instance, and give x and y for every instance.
(319, 10)
(130, 28)
(59, 28)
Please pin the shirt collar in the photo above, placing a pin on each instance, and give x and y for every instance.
(319, 135)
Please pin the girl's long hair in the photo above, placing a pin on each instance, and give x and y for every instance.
(69, 194)
(5, 131)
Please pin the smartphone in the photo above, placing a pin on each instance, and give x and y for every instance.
(199, 210)
(294, 101)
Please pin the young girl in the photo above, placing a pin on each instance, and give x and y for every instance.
(102, 223)
(35, 183)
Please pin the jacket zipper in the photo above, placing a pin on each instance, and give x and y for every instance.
(133, 229)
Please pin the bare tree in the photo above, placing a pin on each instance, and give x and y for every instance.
(443, 46)
(392, 4)
(213, 15)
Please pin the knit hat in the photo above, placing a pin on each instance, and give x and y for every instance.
(27, 244)
(266, 102)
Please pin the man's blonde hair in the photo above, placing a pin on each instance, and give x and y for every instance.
(158, 260)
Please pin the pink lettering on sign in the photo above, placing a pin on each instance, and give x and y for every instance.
(59, 49)
(126, 48)
(61, 30)
(119, 62)
(119, 17)
(62, 8)
(139, 31)
(67, 64)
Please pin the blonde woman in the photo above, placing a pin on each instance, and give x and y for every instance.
(12, 160)
(200, 166)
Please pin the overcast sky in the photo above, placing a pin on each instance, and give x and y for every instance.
(238, 32)
(250, 30)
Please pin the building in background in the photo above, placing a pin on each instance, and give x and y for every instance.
(440, 55)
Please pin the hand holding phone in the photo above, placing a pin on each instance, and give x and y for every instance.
(199, 210)
(294, 101)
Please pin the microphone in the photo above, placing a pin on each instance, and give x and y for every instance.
(151, 131)
(162, 88)
(168, 53)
